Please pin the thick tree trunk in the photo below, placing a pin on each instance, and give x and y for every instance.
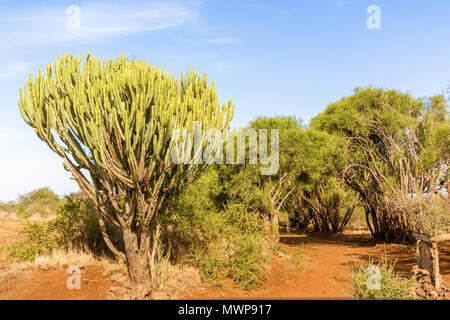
(138, 266)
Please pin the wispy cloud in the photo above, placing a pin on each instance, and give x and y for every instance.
(49, 25)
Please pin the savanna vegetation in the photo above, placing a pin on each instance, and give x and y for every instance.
(381, 153)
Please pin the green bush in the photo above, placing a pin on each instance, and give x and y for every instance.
(41, 201)
(299, 258)
(39, 240)
(240, 217)
(240, 258)
(245, 262)
(192, 220)
(6, 207)
(211, 265)
(223, 239)
(392, 286)
(77, 226)
(239, 254)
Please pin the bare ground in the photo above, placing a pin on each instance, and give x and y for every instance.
(328, 260)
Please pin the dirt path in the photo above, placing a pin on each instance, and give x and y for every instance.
(328, 259)
(51, 285)
(325, 275)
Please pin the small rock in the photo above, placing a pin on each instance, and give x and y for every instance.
(420, 293)
(428, 287)
(433, 295)
(426, 279)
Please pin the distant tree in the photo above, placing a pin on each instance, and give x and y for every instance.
(265, 194)
(308, 185)
(315, 160)
(41, 201)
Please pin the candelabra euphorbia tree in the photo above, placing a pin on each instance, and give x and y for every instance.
(112, 123)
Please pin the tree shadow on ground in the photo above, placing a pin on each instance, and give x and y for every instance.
(352, 240)
(404, 256)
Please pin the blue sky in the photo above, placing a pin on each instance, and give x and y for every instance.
(269, 57)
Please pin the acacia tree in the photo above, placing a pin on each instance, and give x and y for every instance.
(398, 147)
(320, 196)
(112, 123)
(265, 194)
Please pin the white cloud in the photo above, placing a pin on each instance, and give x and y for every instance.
(47, 26)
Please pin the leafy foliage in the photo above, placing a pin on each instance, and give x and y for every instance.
(392, 286)
(223, 240)
(42, 201)
(38, 241)
(77, 226)
(398, 146)
(299, 258)
(112, 122)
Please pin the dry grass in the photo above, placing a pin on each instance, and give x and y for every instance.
(63, 259)
(113, 270)
(8, 216)
(9, 227)
(116, 271)
(9, 233)
(180, 281)
(11, 272)
(180, 278)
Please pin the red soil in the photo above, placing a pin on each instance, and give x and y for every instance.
(328, 260)
(51, 285)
